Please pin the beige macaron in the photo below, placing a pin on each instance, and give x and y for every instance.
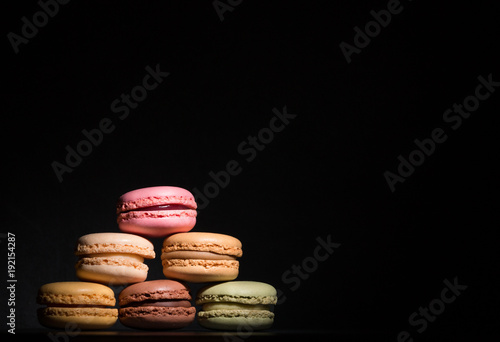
(113, 258)
(201, 257)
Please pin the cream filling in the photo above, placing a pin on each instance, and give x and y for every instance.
(234, 306)
(127, 256)
(196, 255)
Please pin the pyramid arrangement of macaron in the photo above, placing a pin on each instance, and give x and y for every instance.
(112, 258)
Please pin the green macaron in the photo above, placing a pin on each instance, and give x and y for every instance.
(237, 305)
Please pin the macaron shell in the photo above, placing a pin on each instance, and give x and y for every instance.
(236, 320)
(154, 290)
(110, 274)
(114, 243)
(152, 225)
(156, 317)
(76, 293)
(199, 271)
(85, 318)
(202, 241)
(246, 292)
(155, 195)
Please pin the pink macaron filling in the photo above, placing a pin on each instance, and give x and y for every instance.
(160, 207)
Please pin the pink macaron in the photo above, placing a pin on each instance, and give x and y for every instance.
(156, 211)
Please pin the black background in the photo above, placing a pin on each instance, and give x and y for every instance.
(322, 175)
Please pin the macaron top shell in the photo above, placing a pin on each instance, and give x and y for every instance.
(153, 196)
(246, 292)
(114, 243)
(76, 293)
(208, 242)
(162, 289)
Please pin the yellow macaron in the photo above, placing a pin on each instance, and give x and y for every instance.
(83, 304)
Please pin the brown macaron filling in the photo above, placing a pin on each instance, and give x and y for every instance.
(162, 303)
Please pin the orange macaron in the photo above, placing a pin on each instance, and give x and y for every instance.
(201, 257)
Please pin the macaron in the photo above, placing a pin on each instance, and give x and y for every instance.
(201, 257)
(113, 258)
(156, 304)
(74, 302)
(156, 211)
(236, 305)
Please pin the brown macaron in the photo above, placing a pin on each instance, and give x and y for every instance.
(156, 304)
(201, 257)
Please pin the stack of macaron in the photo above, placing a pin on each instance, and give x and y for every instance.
(112, 258)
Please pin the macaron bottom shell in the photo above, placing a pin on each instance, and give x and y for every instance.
(157, 318)
(111, 274)
(236, 320)
(199, 271)
(155, 227)
(85, 318)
